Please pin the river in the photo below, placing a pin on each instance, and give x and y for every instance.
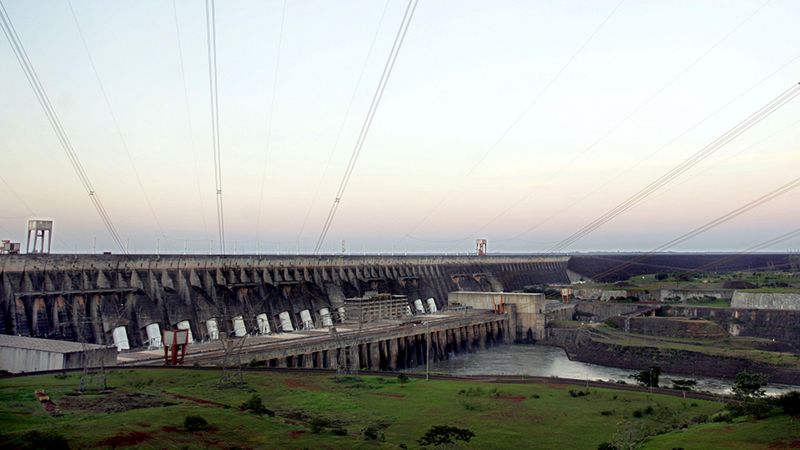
(548, 361)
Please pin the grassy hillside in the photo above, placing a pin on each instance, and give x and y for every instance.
(146, 409)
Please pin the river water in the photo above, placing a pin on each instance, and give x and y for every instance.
(547, 361)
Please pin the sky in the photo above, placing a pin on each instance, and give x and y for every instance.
(515, 121)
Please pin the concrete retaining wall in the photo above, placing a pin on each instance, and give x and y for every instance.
(758, 300)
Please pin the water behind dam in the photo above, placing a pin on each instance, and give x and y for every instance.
(548, 361)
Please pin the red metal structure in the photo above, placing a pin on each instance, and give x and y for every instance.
(175, 341)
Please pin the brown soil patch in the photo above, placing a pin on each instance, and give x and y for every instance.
(784, 445)
(294, 434)
(171, 429)
(300, 384)
(391, 395)
(113, 402)
(511, 398)
(143, 424)
(126, 439)
(200, 401)
(556, 385)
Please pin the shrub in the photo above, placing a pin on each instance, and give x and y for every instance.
(574, 393)
(339, 431)
(402, 378)
(256, 406)
(445, 434)
(606, 413)
(370, 432)
(648, 377)
(790, 403)
(37, 440)
(195, 423)
(606, 446)
(758, 409)
(638, 413)
(318, 424)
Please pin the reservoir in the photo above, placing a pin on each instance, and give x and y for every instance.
(548, 361)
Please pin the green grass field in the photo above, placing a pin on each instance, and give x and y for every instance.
(502, 416)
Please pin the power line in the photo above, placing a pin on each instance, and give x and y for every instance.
(189, 119)
(44, 101)
(269, 121)
(783, 189)
(640, 161)
(621, 122)
(376, 99)
(518, 119)
(342, 125)
(760, 246)
(114, 118)
(211, 37)
(681, 168)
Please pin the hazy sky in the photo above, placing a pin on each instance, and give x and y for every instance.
(442, 164)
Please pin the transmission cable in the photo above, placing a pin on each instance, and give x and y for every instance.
(44, 101)
(269, 121)
(376, 99)
(342, 124)
(516, 121)
(622, 121)
(761, 246)
(189, 119)
(211, 37)
(640, 161)
(684, 166)
(783, 189)
(113, 117)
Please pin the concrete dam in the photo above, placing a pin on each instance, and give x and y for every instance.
(128, 300)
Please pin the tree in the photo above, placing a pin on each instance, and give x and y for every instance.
(445, 434)
(749, 385)
(648, 377)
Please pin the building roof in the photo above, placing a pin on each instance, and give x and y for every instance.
(47, 345)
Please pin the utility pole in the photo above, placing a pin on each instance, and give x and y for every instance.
(427, 350)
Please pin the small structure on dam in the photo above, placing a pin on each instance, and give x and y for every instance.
(374, 306)
(528, 313)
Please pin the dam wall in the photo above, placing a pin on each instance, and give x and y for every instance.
(104, 299)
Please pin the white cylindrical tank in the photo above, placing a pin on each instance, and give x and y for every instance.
(238, 326)
(263, 324)
(184, 325)
(121, 339)
(342, 316)
(213, 329)
(325, 315)
(306, 319)
(153, 335)
(432, 305)
(418, 306)
(286, 321)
